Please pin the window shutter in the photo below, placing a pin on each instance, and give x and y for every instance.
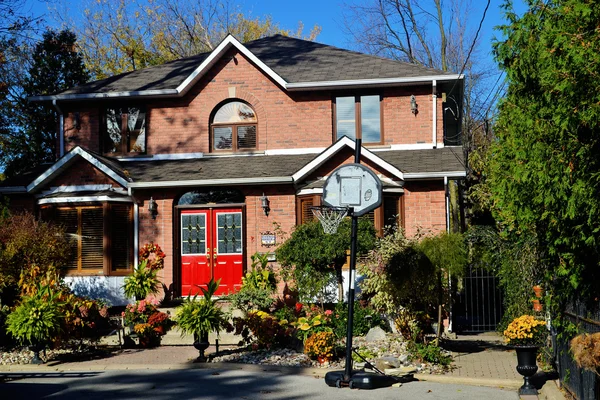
(92, 238)
(67, 217)
(306, 214)
(121, 237)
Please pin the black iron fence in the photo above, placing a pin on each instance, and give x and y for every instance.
(479, 306)
(581, 383)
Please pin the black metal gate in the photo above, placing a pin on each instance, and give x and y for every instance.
(478, 306)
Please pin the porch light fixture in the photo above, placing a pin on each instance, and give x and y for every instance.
(152, 207)
(265, 204)
(414, 107)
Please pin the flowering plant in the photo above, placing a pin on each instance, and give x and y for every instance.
(160, 322)
(525, 330)
(158, 261)
(321, 344)
(139, 312)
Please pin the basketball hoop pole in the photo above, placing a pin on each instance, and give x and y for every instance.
(351, 278)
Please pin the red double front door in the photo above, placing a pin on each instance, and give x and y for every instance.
(211, 247)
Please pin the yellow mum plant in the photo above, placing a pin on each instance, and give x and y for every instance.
(526, 330)
(320, 344)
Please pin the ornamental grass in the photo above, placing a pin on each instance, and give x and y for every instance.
(526, 330)
(586, 351)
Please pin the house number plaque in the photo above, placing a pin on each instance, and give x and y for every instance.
(268, 239)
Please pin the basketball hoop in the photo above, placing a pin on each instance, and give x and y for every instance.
(330, 217)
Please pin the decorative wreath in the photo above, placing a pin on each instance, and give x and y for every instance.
(158, 262)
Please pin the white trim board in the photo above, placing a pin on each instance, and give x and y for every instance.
(216, 182)
(67, 160)
(334, 149)
(84, 199)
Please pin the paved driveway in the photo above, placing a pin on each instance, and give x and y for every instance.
(216, 384)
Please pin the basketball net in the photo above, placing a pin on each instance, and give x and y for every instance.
(330, 217)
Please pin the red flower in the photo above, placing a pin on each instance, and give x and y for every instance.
(298, 307)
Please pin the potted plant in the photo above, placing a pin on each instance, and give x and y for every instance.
(36, 320)
(537, 289)
(320, 346)
(142, 282)
(526, 334)
(199, 317)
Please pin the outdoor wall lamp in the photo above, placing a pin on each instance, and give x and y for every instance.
(265, 204)
(414, 107)
(77, 121)
(152, 207)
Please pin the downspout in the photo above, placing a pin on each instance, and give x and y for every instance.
(447, 196)
(434, 113)
(136, 228)
(61, 128)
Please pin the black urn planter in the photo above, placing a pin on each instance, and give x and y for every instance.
(527, 366)
(201, 344)
(36, 348)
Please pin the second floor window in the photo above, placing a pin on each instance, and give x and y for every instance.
(358, 116)
(125, 130)
(234, 127)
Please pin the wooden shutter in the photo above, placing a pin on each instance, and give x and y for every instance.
(304, 213)
(121, 233)
(68, 218)
(92, 238)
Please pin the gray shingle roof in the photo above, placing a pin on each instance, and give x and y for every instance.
(409, 161)
(295, 60)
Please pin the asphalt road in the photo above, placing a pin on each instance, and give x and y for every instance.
(217, 384)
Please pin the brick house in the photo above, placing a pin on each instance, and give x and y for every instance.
(186, 155)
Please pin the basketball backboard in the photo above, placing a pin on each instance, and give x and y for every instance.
(353, 185)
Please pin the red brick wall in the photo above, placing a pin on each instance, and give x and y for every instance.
(285, 119)
(424, 207)
(82, 173)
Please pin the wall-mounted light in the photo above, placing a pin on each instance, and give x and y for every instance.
(414, 107)
(77, 118)
(152, 208)
(265, 204)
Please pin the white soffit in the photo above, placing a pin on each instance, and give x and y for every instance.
(334, 149)
(67, 160)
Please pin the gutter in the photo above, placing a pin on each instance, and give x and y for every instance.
(371, 82)
(61, 128)
(216, 182)
(434, 113)
(13, 189)
(435, 175)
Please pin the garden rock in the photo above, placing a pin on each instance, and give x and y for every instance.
(387, 362)
(401, 372)
(375, 334)
(403, 358)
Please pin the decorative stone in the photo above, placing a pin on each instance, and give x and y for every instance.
(402, 371)
(387, 362)
(375, 334)
(403, 358)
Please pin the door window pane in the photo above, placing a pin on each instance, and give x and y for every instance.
(193, 234)
(370, 119)
(345, 115)
(229, 233)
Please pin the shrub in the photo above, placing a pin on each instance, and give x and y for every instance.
(263, 330)
(258, 286)
(25, 243)
(364, 318)
(430, 353)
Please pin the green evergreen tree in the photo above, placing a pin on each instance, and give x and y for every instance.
(544, 167)
(55, 66)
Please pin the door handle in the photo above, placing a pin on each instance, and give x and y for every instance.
(215, 253)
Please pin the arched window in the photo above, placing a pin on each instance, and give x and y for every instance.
(233, 127)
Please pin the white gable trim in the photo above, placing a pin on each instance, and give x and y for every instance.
(334, 149)
(69, 158)
(84, 199)
(216, 54)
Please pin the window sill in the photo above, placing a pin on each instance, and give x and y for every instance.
(226, 153)
(126, 155)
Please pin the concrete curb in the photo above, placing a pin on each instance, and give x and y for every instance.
(487, 382)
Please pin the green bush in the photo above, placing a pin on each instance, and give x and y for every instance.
(430, 353)
(364, 318)
(37, 319)
(258, 286)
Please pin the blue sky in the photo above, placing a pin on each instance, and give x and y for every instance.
(326, 13)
